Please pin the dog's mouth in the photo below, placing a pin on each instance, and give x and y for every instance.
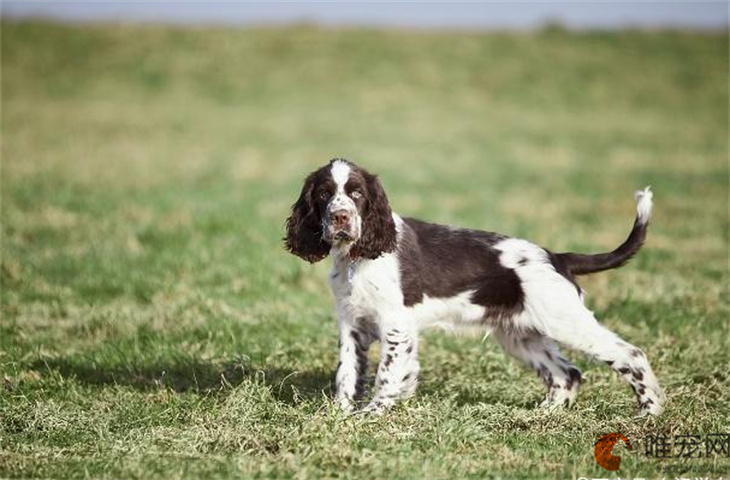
(340, 237)
(343, 236)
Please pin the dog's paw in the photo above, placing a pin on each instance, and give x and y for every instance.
(559, 398)
(650, 407)
(375, 407)
(346, 405)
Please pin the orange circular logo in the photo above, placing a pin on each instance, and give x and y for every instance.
(602, 452)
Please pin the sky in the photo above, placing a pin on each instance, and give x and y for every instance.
(449, 15)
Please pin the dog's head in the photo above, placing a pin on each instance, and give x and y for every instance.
(342, 207)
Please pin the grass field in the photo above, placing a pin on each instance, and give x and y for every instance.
(154, 327)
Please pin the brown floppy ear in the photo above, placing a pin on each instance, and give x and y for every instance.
(378, 228)
(304, 227)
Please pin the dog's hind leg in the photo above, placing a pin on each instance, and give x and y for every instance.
(554, 307)
(562, 316)
(628, 361)
(542, 354)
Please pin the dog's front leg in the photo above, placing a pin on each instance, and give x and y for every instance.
(398, 369)
(353, 364)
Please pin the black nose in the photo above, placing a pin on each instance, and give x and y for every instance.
(340, 218)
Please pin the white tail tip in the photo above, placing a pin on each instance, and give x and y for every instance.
(644, 204)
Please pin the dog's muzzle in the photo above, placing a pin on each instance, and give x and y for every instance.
(341, 226)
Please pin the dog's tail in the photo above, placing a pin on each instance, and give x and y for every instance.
(581, 264)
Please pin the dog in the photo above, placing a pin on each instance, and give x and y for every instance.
(392, 277)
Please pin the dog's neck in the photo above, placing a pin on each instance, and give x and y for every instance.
(343, 261)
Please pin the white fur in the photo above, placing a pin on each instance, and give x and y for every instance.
(340, 173)
(447, 313)
(644, 204)
(549, 297)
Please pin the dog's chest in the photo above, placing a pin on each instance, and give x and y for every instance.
(367, 287)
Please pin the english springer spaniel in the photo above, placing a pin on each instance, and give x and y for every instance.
(393, 277)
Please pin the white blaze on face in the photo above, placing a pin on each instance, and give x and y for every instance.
(340, 172)
(340, 201)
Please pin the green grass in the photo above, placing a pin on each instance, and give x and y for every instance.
(154, 327)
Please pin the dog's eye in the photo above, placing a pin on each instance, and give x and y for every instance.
(356, 194)
(324, 194)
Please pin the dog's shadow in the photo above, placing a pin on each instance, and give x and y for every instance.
(196, 376)
(287, 385)
(469, 394)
